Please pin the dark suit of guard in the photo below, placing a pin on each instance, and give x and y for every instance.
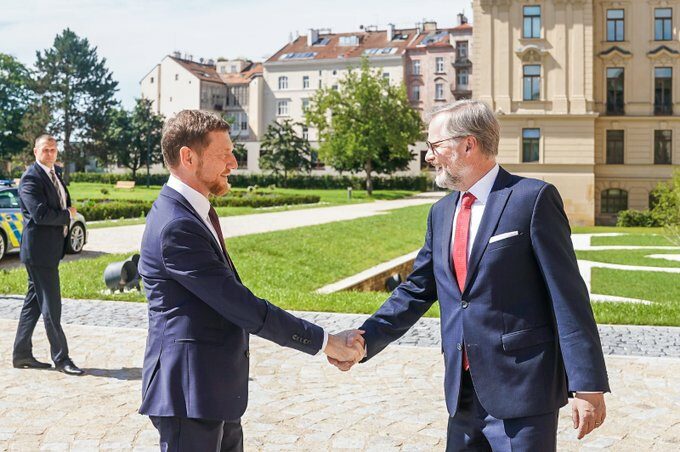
(43, 245)
(195, 376)
(524, 316)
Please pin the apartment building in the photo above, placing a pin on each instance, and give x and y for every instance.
(584, 93)
(231, 88)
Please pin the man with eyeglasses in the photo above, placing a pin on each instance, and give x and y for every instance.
(518, 332)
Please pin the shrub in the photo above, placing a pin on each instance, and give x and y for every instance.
(640, 218)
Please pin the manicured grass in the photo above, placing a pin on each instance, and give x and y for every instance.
(661, 288)
(631, 240)
(629, 257)
(601, 229)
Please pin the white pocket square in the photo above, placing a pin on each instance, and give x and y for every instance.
(502, 236)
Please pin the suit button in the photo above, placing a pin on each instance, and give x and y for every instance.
(248, 354)
(296, 337)
(306, 341)
(459, 346)
(464, 304)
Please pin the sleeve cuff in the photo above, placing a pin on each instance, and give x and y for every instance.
(325, 342)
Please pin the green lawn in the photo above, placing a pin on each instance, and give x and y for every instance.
(631, 240)
(629, 257)
(661, 288)
(601, 229)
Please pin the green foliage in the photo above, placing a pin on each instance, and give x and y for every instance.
(365, 125)
(667, 201)
(414, 183)
(284, 151)
(15, 97)
(78, 89)
(131, 135)
(637, 218)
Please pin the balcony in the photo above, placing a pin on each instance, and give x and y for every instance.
(663, 109)
(461, 63)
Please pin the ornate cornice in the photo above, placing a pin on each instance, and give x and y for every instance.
(531, 53)
(663, 55)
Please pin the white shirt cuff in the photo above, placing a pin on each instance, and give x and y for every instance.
(325, 342)
(589, 392)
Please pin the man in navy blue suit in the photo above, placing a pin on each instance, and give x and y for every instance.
(47, 211)
(518, 332)
(195, 375)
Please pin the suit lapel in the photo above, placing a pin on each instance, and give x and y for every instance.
(447, 235)
(58, 172)
(495, 205)
(48, 181)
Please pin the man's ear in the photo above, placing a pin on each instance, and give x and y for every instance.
(186, 156)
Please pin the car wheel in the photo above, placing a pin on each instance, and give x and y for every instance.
(76, 239)
(3, 245)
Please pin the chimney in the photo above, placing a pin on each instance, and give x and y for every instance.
(430, 25)
(177, 54)
(462, 19)
(312, 36)
(390, 32)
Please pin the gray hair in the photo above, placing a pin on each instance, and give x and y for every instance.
(44, 137)
(472, 117)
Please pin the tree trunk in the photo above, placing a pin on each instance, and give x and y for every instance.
(369, 181)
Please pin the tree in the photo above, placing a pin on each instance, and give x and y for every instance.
(15, 98)
(132, 134)
(79, 89)
(366, 124)
(283, 150)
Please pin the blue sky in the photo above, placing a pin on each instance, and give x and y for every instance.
(133, 35)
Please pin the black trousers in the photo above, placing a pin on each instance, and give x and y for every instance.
(180, 434)
(43, 297)
(473, 429)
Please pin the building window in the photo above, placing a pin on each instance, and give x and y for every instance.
(613, 200)
(615, 90)
(305, 82)
(532, 82)
(462, 77)
(305, 104)
(615, 25)
(176, 77)
(531, 139)
(415, 92)
(415, 67)
(461, 50)
(283, 82)
(335, 87)
(320, 84)
(305, 133)
(663, 92)
(663, 140)
(386, 76)
(439, 91)
(439, 65)
(532, 22)
(423, 163)
(282, 108)
(151, 79)
(663, 24)
(316, 163)
(615, 147)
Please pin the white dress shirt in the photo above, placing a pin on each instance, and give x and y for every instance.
(480, 190)
(201, 205)
(48, 170)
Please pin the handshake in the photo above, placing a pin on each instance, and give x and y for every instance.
(345, 349)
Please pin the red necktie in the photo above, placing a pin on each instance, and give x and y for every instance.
(460, 246)
(215, 221)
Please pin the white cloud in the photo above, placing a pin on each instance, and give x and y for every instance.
(134, 35)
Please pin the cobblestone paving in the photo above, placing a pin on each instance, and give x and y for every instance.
(297, 402)
(616, 340)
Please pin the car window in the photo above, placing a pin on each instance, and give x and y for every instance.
(9, 199)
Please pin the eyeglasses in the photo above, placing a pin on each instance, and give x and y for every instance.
(433, 146)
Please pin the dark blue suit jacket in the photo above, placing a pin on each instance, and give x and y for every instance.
(524, 314)
(42, 241)
(200, 318)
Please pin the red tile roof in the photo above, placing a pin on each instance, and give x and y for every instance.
(208, 72)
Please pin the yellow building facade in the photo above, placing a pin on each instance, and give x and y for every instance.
(587, 95)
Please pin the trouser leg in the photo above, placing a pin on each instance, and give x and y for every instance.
(46, 282)
(28, 318)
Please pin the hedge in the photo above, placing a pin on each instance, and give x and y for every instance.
(107, 209)
(639, 218)
(415, 183)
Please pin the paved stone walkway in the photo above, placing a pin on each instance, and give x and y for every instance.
(297, 402)
(616, 339)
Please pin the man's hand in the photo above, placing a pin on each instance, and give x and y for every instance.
(72, 211)
(588, 411)
(354, 340)
(345, 349)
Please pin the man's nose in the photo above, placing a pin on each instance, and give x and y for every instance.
(429, 156)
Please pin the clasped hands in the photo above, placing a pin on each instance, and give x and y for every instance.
(345, 349)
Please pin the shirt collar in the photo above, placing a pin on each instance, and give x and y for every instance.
(45, 167)
(199, 202)
(482, 188)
